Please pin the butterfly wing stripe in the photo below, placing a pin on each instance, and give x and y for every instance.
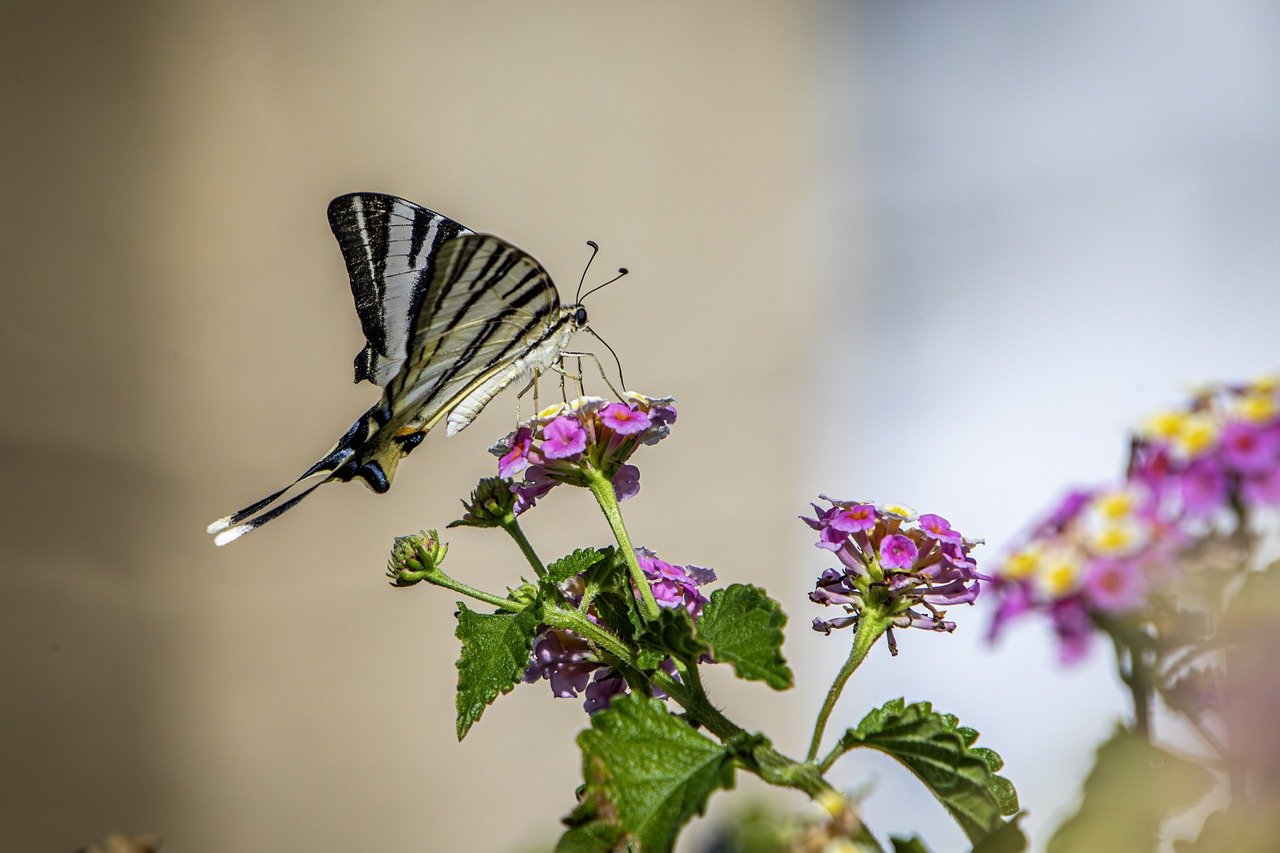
(388, 245)
(487, 305)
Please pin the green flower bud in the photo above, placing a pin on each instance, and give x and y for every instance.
(415, 557)
(490, 506)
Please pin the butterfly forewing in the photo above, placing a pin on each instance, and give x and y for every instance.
(389, 246)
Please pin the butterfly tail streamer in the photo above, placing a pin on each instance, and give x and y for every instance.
(365, 451)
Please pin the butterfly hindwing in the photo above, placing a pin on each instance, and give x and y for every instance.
(389, 246)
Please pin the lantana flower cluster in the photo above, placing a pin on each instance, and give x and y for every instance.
(566, 660)
(912, 565)
(564, 441)
(1098, 552)
(1103, 552)
(1220, 452)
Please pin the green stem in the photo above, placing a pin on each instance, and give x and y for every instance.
(871, 625)
(439, 578)
(602, 489)
(1134, 673)
(759, 758)
(513, 528)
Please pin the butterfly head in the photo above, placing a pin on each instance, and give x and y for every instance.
(579, 317)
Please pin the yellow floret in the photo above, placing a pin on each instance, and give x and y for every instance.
(1198, 434)
(1165, 425)
(1257, 406)
(1115, 505)
(1024, 563)
(1059, 574)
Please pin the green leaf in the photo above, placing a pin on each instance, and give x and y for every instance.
(744, 627)
(672, 634)
(1007, 838)
(647, 774)
(495, 653)
(942, 756)
(593, 826)
(914, 844)
(1132, 788)
(572, 565)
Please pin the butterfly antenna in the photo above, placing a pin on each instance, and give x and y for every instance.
(616, 360)
(621, 272)
(595, 248)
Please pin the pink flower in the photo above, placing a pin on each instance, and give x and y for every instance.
(563, 437)
(1115, 585)
(516, 459)
(898, 552)
(1250, 449)
(851, 519)
(937, 527)
(625, 420)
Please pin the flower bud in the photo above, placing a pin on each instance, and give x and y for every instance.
(490, 505)
(415, 557)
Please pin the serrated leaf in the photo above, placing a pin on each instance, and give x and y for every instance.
(652, 770)
(1150, 783)
(495, 653)
(914, 844)
(744, 627)
(572, 565)
(941, 755)
(672, 634)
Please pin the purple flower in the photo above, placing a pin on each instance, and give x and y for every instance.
(566, 659)
(1249, 448)
(536, 484)
(937, 527)
(851, 519)
(894, 559)
(625, 420)
(577, 442)
(600, 693)
(516, 459)
(1203, 487)
(1263, 489)
(1115, 585)
(1074, 628)
(626, 483)
(897, 552)
(563, 437)
(673, 586)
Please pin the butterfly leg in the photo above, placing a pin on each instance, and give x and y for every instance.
(520, 396)
(599, 367)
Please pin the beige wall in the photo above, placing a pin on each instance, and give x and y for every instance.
(177, 337)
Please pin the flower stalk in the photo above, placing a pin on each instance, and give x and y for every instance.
(872, 625)
(602, 489)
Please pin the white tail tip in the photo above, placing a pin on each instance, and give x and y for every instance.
(231, 535)
(219, 525)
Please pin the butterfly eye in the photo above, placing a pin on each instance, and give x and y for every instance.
(580, 316)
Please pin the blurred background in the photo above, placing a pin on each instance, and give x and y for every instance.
(943, 254)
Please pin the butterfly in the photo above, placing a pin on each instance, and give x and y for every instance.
(450, 319)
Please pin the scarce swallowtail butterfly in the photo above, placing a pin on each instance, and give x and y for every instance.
(450, 319)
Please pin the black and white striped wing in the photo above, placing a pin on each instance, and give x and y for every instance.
(390, 247)
(488, 306)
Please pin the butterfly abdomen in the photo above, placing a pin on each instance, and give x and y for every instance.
(538, 360)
